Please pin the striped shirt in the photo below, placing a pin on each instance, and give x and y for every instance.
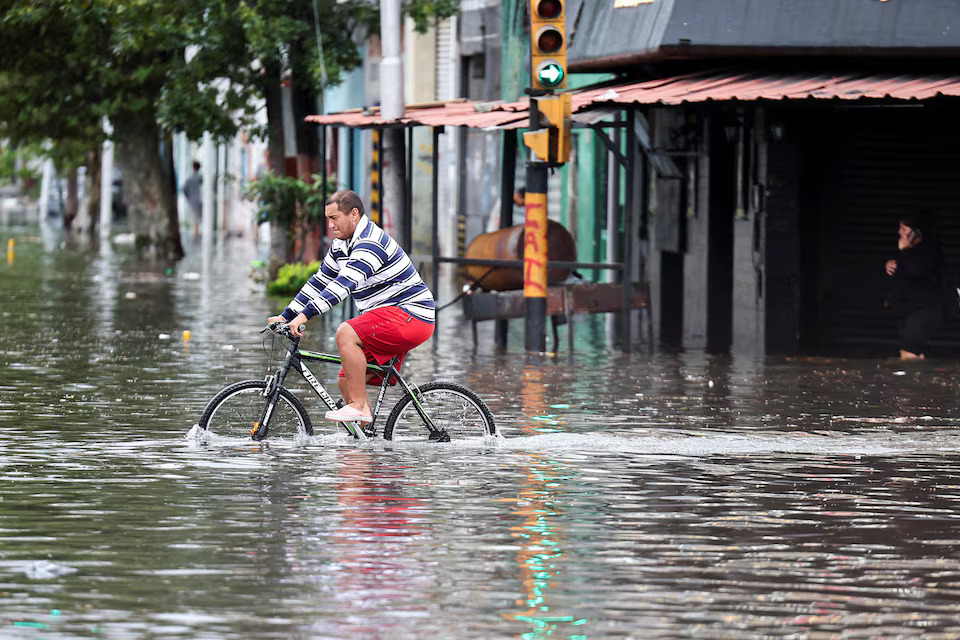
(373, 269)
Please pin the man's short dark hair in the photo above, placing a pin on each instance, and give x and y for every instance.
(346, 201)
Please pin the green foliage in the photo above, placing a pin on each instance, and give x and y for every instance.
(46, 91)
(155, 66)
(199, 66)
(8, 165)
(422, 11)
(9, 173)
(285, 199)
(291, 277)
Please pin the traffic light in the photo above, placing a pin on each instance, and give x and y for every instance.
(548, 44)
(550, 142)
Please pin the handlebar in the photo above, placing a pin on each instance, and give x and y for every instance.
(281, 328)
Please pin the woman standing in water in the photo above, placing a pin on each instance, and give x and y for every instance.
(917, 284)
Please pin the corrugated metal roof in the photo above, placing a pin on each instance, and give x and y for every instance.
(703, 86)
(749, 86)
(457, 113)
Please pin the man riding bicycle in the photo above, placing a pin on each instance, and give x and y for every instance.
(397, 310)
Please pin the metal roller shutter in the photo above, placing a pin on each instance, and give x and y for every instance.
(880, 163)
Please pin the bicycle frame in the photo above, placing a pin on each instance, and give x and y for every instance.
(297, 358)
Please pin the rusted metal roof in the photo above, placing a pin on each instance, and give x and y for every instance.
(747, 86)
(702, 86)
(457, 113)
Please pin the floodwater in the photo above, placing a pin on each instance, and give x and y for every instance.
(633, 496)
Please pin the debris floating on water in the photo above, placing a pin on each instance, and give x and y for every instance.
(45, 570)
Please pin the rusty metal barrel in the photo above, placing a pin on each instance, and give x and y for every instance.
(507, 244)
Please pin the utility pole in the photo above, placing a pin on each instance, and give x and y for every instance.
(391, 109)
(549, 142)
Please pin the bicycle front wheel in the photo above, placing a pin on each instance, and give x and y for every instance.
(237, 410)
(454, 409)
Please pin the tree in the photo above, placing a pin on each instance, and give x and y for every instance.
(153, 66)
(68, 65)
(30, 112)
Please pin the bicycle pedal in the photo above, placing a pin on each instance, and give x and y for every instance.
(370, 433)
(439, 436)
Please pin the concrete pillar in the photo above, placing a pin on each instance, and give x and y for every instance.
(749, 249)
(209, 172)
(106, 184)
(46, 188)
(709, 208)
(221, 176)
(392, 108)
(667, 241)
(696, 266)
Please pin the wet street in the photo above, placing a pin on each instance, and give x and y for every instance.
(632, 496)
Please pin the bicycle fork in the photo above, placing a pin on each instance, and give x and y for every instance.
(271, 391)
(436, 434)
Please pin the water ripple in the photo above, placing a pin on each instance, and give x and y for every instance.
(631, 495)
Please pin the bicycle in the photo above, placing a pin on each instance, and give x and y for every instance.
(437, 411)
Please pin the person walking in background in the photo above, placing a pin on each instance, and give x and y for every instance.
(193, 192)
(917, 285)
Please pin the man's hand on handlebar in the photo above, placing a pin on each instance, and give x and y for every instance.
(295, 326)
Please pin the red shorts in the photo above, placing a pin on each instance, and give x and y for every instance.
(387, 332)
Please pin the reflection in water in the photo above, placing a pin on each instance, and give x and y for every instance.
(541, 550)
(667, 495)
(378, 523)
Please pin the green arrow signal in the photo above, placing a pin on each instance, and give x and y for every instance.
(550, 74)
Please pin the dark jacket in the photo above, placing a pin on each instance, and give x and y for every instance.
(917, 282)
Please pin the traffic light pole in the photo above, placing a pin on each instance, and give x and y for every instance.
(549, 142)
(535, 257)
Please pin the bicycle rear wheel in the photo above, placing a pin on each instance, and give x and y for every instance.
(236, 411)
(453, 408)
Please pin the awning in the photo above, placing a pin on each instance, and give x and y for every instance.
(747, 86)
(456, 113)
(702, 86)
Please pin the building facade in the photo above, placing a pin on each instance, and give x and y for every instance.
(797, 134)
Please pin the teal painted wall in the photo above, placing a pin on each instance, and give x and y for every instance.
(591, 158)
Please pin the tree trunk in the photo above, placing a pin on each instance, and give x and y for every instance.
(72, 204)
(279, 233)
(151, 205)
